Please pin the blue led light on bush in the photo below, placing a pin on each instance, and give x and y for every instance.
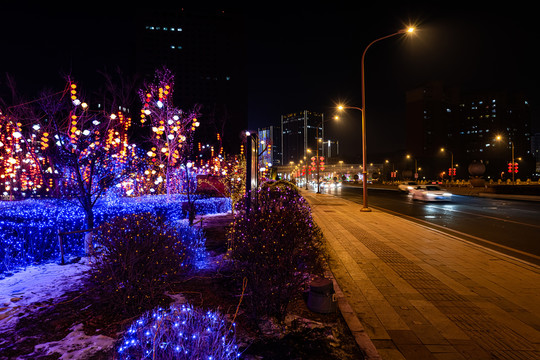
(180, 332)
(29, 228)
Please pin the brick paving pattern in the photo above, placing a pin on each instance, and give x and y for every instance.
(421, 294)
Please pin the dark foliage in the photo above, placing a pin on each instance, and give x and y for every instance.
(276, 246)
(139, 254)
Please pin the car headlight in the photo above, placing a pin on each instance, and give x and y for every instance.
(447, 194)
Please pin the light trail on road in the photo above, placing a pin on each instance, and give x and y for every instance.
(507, 226)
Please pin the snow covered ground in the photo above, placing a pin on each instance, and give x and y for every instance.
(39, 286)
(44, 285)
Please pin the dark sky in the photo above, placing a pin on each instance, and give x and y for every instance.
(44, 41)
(304, 56)
(310, 59)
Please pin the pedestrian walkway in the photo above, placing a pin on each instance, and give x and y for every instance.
(418, 293)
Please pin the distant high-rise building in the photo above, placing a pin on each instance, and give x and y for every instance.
(270, 145)
(299, 132)
(535, 150)
(205, 49)
(429, 115)
(484, 116)
(467, 125)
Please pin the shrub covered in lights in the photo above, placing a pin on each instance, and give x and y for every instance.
(275, 246)
(180, 332)
(29, 228)
(138, 254)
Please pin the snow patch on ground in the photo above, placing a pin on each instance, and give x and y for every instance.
(35, 287)
(77, 345)
(45, 285)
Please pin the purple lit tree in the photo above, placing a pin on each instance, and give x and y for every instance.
(172, 128)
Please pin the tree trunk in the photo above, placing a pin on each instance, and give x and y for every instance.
(89, 221)
(191, 205)
(167, 185)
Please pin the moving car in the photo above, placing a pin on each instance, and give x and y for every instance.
(430, 193)
(407, 186)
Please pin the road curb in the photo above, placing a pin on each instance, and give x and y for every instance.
(353, 323)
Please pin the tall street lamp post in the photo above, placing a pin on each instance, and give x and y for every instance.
(318, 167)
(321, 140)
(513, 166)
(451, 164)
(365, 207)
(308, 151)
(415, 175)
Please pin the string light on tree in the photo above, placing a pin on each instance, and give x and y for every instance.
(172, 129)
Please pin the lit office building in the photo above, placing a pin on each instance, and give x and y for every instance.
(270, 146)
(467, 125)
(299, 134)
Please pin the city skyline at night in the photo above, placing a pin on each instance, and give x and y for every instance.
(301, 58)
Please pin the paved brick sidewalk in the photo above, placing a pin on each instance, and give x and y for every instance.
(421, 294)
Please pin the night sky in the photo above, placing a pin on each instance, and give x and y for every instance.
(311, 59)
(304, 57)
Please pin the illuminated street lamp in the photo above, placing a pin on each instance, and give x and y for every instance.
(308, 151)
(415, 166)
(321, 140)
(513, 166)
(451, 170)
(365, 207)
(318, 167)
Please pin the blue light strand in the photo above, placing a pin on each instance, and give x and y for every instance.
(180, 332)
(29, 228)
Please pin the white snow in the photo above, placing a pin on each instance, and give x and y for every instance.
(76, 345)
(27, 290)
(45, 285)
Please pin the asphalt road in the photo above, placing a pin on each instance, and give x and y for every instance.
(509, 226)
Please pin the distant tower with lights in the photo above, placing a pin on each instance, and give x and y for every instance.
(467, 123)
(299, 132)
(270, 145)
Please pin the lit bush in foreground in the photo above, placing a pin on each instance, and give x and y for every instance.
(181, 332)
(138, 255)
(276, 246)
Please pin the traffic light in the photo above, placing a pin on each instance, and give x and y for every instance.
(452, 171)
(510, 167)
(516, 167)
